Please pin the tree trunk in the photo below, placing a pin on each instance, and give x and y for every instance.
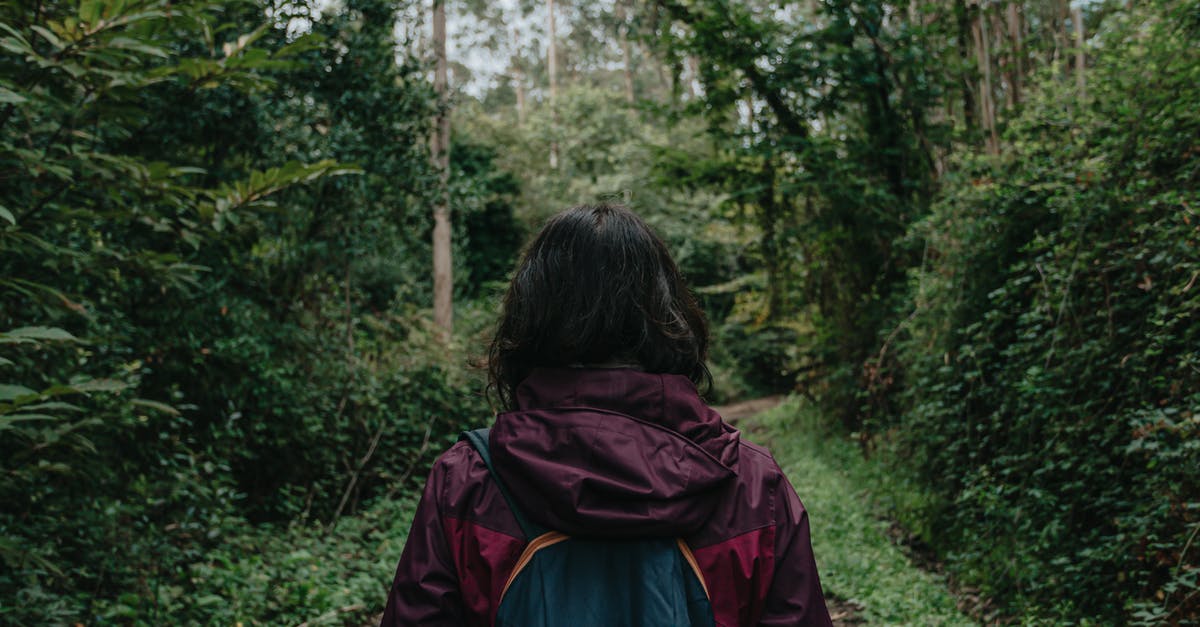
(518, 76)
(1004, 60)
(769, 224)
(1017, 66)
(626, 51)
(693, 67)
(443, 305)
(1061, 37)
(1080, 60)
(987, 108)
(552, 70)
(963, 19)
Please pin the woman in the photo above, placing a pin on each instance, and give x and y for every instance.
(597, 358)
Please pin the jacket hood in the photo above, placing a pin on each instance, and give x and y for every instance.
(613, 452)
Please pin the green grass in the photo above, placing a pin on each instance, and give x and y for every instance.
(291, 574)
(857, 561)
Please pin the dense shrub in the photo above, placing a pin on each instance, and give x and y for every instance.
(1052, 364)
(764, 356)
(197, 335)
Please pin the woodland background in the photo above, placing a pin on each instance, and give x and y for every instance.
(966, 231)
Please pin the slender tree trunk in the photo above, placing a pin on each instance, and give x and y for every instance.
(1061, 37)
(1018, 50)
(1003, 59)
(518, 76)
(552, 68)
(769, 223)
(963, 19)
(443, 305)
(422, 42)
(626, 51)
(987, 108)
(519, 84)
(663, 79)
(693, 68)
(1080, 60)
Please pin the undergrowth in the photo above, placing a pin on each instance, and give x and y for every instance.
(842, 492)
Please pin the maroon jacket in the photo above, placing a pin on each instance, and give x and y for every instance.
(610, 453)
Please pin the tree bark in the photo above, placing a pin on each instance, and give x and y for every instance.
(552, 70)
(693, 68)
(1080, 60)
(987, 108)
(1004, 59)
(518, 76)
(443, 305)
(1018, 50)
(626, 51)
(963, 19)
(1061, 36)
(769, 224)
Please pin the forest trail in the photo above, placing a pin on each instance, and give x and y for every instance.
(867, 578)
(741, 410)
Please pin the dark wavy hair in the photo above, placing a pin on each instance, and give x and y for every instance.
(597, 286)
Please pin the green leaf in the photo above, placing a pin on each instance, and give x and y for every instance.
(10, 391)
(8, 96)
(7, 215)
(8, 421)
(311, 41)
(100, 385)
(163, 407)
(15, 42)
(89, 11)
(48, 36)
(32, 334)
(260, 184)
(52, 405)
(126, 43)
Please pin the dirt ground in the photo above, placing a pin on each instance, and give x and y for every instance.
(735, 412)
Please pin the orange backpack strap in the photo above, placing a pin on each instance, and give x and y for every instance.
(691, 560)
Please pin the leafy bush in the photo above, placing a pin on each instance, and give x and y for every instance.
(196, 335)
(764, 356)
(1051, 365)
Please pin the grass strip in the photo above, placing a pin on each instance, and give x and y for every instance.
(857, 561)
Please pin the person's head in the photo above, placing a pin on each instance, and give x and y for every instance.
(597, 287)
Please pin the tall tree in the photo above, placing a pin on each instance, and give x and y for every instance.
(443, 280)
(518, 76)
(1017, 65)
(552, 69)
(987, 105)
(1080, 60)
(626, 49)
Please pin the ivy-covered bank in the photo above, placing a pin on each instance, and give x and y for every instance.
(1044, 375)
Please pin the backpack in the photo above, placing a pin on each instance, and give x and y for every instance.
(564, 581)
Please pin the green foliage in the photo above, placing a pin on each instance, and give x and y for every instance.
(288, 575)
(842, 493)
(1050, 365)
(825, 149)
(213, 262)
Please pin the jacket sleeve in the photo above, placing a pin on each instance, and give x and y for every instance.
(795, 596)
(425, 591)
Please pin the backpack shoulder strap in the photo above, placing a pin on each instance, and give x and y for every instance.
(479, 441)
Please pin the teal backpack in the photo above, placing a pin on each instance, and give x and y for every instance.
(573, 582)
